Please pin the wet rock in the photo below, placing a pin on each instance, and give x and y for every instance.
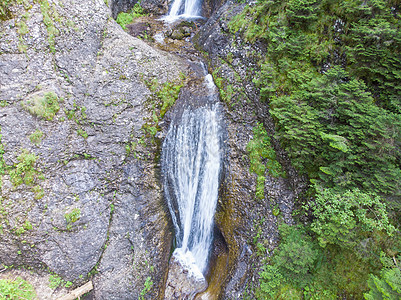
(158, 7)
(181, 283)
(140, 29)
(181, 30)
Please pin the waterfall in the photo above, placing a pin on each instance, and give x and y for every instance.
(184, 9)
(191, 160)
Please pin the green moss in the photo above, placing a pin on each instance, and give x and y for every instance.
(78, 114)
(39, 193)
(276, 210)
(262, 157)
(72, 217)
(5, 12)
(49, 13)
(22, 28)
(25, 227)
(55, 281)
(147, 287)
(45, 107)
(168, 94)
(16, 289)
(123, 19)
(24, 171)
(36, 137)
(5, 8)
(82, 132)
(230, 58)
(162, 99)
(21, 45)
(2, 162)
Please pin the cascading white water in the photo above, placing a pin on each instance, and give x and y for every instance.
(184, 9)
(191, 164)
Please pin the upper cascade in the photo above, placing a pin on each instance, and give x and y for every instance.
(184, 9)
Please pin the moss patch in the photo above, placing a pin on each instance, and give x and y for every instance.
(44, 107)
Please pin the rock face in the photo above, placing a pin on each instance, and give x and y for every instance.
(244, 221)
(118, 6)
(181, 284)
(158, 7)
(80, 192)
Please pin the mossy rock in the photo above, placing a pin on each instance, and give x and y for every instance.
(45, 105)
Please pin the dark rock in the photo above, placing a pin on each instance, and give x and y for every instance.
(118, 6)
(158, 7)
(138, 29)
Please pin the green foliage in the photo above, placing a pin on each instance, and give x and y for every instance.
(82, 133)
(49, 13)
(161, 100)
(39, 193)
(16, 289)
(45, 107)
(344, 219)
(55, 281)
(36, 137)
(292, 265)
(123, 19)
(333, 130)
(330, 75)
(374, 49)
(333, 124)
(2, 162)
(270, 281)
(302, 12)
(300, 268)
(5, 12)
(24, 171)
(147, 287)
(296, 256)
(388, 285)
(25, 227)
(226, 90)
(262, 156)
(72, 217)
(168, 94)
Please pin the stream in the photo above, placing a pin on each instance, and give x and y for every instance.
(191, 164)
